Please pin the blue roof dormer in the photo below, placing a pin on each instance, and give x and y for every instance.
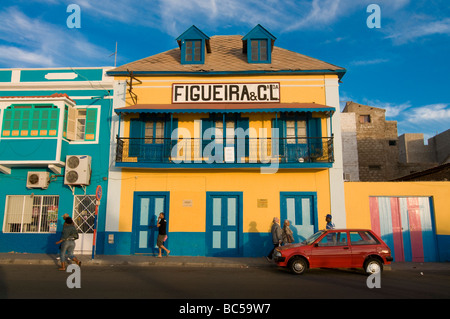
(193, 44)
(258, 45)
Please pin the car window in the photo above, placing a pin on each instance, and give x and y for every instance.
(362, 238)
(334, 239)
(313, 238)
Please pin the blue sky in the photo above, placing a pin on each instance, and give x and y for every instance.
(403, 66)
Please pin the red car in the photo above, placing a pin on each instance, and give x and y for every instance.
(336, 248)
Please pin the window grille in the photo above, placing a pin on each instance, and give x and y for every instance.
(31, 214)
(84, 213)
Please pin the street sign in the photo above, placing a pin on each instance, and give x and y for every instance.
(98, 192)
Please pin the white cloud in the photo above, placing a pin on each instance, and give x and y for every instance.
(439, 112)
(11, 55)
(369, 61)
(418, 27)
(33, 42)
(392, 109)
(174, 16)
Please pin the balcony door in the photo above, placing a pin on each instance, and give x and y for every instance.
(150, 138)
(215, 145)
(301, 137)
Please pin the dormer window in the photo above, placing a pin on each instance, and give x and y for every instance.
(193, 52)
(258, 44)
(193, 45)
(259, 50)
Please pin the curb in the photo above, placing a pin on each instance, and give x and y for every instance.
(99, 262)
(201, 262)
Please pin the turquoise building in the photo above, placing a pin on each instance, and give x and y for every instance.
(54, 156)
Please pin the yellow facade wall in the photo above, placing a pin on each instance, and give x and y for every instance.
(192, 186)
(357, 200)
(293, 88)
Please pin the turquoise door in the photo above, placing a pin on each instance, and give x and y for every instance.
(147, 207)
(301, 211)
(223, 224)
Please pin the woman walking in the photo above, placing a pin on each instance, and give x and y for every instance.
(288, 235)
(68, 237)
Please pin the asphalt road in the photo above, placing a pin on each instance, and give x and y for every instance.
(128, 282)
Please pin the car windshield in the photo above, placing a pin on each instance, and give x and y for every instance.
(312, 238)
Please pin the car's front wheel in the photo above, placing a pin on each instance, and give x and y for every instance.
(373, 265)
(298, 265)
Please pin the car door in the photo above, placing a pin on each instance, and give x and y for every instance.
(331, 251)
(362, 244)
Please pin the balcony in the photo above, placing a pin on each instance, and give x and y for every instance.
(222, 153)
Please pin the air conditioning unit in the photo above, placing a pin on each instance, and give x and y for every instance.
(38, 180)
(78, 170)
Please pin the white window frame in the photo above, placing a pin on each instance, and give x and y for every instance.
(72, 124)
(30, 214)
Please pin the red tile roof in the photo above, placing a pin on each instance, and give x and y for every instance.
(54, 95)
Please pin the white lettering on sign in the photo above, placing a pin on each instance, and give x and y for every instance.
(223, 93)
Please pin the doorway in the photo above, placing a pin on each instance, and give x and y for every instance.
(146, 209)
(223, 224)
(300, 208)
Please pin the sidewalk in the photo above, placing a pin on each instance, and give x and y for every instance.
(135, 260)
(182, 261)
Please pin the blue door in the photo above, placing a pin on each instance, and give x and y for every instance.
(150, 138)
(147, 207)
(223, 224)
(301, 138)
(301, 210)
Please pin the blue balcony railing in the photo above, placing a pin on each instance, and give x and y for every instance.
(224, 151)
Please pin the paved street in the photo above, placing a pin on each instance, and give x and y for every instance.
(173, 282)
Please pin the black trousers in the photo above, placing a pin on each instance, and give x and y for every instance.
(271, 252)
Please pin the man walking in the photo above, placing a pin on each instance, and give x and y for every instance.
(162, 235)
(276, 236)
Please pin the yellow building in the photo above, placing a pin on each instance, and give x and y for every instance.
(223, 134)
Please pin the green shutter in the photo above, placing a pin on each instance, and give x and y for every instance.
(30, 121)
(6, 130)
(91, 125)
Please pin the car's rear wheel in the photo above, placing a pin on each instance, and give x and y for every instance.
(373, 265)
(298, 265)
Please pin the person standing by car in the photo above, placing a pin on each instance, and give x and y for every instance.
(288, 235)
(330, 225)
(276, 236)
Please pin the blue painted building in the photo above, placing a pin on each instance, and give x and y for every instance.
(54, 153)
